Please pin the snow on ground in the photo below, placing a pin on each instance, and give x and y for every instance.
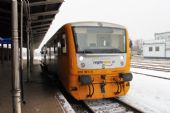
(149, 94)
(151, 72)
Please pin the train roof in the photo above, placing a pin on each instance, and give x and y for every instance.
(91, 23)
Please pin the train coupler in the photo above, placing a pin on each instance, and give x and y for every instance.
(85, 79)
(126, 76)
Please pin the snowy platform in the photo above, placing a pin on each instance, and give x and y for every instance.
(149, 94)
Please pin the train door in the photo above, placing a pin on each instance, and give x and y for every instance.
(63, 62)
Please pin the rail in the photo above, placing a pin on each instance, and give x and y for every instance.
(110, 105)
(151, 75)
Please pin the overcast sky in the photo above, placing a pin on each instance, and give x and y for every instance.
(142, 18)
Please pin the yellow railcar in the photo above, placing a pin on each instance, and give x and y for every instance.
(91, 59)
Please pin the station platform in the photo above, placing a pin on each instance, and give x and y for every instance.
(39, 93)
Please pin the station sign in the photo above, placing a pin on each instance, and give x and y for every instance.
(5, 40)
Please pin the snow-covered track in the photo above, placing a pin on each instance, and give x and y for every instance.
(110, 106)
(156, 67)
(152, 62)
(66, 107)
(151, 75)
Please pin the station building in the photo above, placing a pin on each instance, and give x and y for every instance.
(158, 48)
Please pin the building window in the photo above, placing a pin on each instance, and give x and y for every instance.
(157, 48)
(150, 49)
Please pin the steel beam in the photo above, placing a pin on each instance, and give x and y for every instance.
(44, 13)
(45, 3)
(28, 54)
(36, 37)
(31, 54)
(39, 32)
(41, 29)
(16, 91)
(41, 25)
(42, 20)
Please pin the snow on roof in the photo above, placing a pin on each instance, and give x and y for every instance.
(154, 42)
(91, 23)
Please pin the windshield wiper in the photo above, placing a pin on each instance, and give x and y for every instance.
(116, 51)
(85, 51)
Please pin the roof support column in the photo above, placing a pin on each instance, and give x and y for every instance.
(2, 54)
(21, 57)
(28, 53)
(7, 52)
(16, 92)
(31, 54)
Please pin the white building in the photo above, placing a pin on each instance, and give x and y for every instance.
(158, 48)
(162, 36)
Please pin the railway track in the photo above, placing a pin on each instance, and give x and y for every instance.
(151, 68)
(151, 75)
(110, 106)
(151, 64)
(156, 67)
(153, 61)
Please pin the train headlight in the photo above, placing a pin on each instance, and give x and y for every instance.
(81, 58)
(121, 58)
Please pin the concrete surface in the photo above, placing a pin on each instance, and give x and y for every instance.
(39, 92)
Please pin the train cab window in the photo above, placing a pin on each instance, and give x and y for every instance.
(99, 39)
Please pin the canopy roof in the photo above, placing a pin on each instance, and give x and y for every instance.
(38, 15)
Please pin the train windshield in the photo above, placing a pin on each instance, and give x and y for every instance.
(99, 39)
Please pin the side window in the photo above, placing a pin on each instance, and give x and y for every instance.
(150, 49)
(55, 47)
(63, 43)
(59, 47)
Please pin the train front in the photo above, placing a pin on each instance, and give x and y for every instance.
(102, 61)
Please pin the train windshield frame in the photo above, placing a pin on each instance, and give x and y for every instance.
(97, 39)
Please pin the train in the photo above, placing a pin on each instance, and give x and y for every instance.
(91, 59)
